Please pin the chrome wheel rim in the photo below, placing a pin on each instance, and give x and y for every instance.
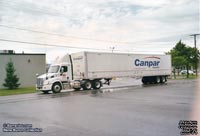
(88, 85)
(97, 84)
(57, 88)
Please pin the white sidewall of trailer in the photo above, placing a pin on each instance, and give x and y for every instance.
(108, 65)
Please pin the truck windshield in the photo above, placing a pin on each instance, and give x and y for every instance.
(53, 69)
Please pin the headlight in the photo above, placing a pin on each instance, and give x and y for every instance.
(46, 82)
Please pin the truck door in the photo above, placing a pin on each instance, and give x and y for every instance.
(64, 73)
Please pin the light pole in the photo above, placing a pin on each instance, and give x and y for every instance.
(195, 46)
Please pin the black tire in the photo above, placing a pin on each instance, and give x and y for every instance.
(96, 84)
(158, 79)
(144, 80)
(87, 85)
(165, 78)
(56, 88)
(162, 79)
(45, 92)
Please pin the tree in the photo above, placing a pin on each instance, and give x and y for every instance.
(11, 80)
(195, 58)
(183, 55)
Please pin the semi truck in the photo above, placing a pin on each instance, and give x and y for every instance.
(90, 70)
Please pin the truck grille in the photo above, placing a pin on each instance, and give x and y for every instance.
(39, 82)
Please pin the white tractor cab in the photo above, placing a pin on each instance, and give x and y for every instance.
(57, 78)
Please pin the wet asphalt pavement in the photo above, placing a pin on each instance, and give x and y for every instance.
(152, 110)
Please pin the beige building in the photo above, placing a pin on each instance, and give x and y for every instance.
(26, 65)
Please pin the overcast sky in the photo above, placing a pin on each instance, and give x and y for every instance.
(134, 26)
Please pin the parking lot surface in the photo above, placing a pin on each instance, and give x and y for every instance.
(151, 110)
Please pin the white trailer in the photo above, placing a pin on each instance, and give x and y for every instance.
(90, 70)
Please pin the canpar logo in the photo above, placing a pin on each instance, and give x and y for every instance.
(147, 61)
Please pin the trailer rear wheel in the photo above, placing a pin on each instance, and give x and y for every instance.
(158, 80)
(163, 79)
(144, 80)
(87, 85)
(56, 88)
(96, 84)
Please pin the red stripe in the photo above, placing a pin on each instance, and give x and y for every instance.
(152, 57)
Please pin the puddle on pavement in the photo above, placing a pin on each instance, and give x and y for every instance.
(182, 103)
(112, 90)
(82, 92)
(106, 90)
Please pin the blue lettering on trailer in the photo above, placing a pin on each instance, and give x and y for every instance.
(147, 63)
